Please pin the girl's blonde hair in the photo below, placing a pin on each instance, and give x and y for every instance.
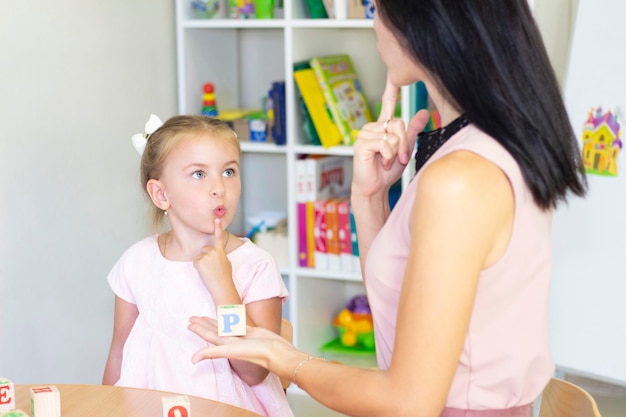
(165, 138)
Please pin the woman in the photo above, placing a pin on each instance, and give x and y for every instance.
(457, 276)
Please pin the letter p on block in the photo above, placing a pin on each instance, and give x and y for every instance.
(231, 320)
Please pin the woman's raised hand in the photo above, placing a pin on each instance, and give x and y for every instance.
(383, 148)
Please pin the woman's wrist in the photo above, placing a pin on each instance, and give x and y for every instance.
(288, 362)
(368, 193)
(376, 205)
(294, 376)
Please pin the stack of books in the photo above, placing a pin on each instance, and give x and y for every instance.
(327, 239)
(333, 102)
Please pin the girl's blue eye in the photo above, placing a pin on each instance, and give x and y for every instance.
(229, 172)
(198, 174)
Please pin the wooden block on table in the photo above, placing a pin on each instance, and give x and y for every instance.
(231, 320)
(14, 413)
(45, 401)
(7, 394)
(176, 406)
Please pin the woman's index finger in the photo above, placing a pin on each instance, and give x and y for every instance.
(389, 100)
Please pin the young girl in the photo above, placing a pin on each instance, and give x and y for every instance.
(190, 170)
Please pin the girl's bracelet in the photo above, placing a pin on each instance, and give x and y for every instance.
(298, 366)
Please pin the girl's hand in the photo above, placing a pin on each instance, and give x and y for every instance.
(383, 148)
(213, 265)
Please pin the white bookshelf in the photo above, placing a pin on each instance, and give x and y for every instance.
(242, 58)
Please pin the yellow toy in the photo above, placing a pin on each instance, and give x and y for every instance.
(355, 325)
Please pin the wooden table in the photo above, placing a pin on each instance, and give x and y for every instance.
(112, 401)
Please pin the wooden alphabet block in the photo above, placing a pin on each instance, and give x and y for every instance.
(14, 413)
(176, 406)
(7, 394)
(45, 401)
(231, 320)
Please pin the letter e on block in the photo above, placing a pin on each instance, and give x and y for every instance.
(14, 413)
(176, 406)
(231, 320)
(45, 401)
(7, 394)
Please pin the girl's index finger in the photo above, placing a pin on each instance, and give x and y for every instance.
(218, 235)
(389, 100)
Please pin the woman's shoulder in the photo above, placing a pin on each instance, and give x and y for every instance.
(472, 166)
(463, 172)
(473, 140)
(470, 158)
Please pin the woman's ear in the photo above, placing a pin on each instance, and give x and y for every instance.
(157, 194)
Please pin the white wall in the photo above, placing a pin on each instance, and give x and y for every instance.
(77, 79)
(589, 235)
(556, 20)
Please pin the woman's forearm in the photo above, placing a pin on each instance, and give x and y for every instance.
(349, 390)
(370, 214)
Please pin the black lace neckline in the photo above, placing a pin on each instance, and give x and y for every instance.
(429, 142)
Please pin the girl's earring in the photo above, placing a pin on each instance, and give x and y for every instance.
(165, 212)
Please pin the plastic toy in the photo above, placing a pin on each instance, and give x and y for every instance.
(209, 103)
(241, 9)
(354, 324)
(205, 9)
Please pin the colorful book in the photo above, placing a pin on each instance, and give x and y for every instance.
(329, 6)
(301, 195)
(306, 122)
(343, 93)
(327, 176)
(345, 235)
(279, 129)
(319, 233)
(310, 233)
(316, 9)
(316, 105)
(332, 236)
(356, 261)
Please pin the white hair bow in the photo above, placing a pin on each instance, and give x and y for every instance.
(140, 139)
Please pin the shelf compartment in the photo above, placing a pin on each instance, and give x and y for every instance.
(311, 42)
(270, 196)
(319, 301)
(241, 63)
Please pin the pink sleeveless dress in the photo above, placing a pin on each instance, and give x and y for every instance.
(506, 361)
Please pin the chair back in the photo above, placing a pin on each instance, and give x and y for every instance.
(564, 399)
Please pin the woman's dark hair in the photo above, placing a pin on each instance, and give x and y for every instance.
(489, 59)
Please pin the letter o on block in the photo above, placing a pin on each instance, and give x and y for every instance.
(176, 406)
